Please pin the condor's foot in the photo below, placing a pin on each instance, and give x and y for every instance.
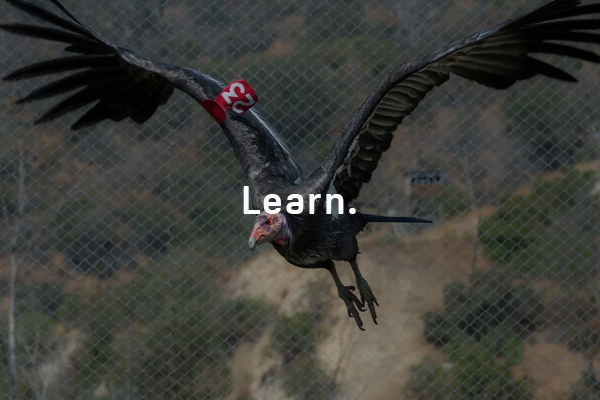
(352, 304)
(367, 296)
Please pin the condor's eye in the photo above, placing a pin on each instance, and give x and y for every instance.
(269, 222)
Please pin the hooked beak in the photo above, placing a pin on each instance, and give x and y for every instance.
(252, 242)
(256, 237)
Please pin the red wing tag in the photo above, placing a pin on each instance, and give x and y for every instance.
(239, 96)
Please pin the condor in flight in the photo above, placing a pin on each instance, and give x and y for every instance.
(118, 83)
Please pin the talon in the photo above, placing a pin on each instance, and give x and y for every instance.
(367, 296)
(352, 303)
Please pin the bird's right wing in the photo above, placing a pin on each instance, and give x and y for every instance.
(122, 84)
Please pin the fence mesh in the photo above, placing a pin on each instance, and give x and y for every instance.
(128, 251)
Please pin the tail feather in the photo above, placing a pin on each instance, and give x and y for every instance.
(380, 218)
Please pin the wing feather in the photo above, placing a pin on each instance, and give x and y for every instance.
(496, 57)
(117, 83)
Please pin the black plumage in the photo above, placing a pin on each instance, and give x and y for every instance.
(118, 83)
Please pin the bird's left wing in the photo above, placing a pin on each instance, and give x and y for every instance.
(496, 57)
(122, 84)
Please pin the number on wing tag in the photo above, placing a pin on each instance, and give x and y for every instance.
(238, 96)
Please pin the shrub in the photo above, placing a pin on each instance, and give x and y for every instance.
(484, 368)
(554, 125)
(86, 232)
(304, 379)
(190, 331)
(559, 253)
(152, 226)
(440, 328)
(517, 224)
(489, 305)
(39, 297)
(183, 354)
(93, 363)
(98, 312)
(295, 335)
(429, 381)
(535, 234)
(34, 331)
(476, 370)
(183, 178)
(244, 318)
(451, 201)
(216, 213)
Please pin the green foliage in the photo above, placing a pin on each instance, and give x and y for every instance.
(555, 124)
(152, 225)
(42, 297)
(216, 213)
(145, 298)
(184, 333)
(295, 335)
(190, 331)
(529, 233)
(34, 334)
(86, 232)
(183, 178)
(244, 318)
(484, 369)
(94, 363)
(183, 352)
(451, 201)
(491, 305)
(205, 188)
(304, 379)
(477, 370)
(565, 193)
(99, 312)
(517, 223)
(559, 253)
(429, 381)
(99, 239)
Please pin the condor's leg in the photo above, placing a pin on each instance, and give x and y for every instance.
(345, 293)
(366, 294)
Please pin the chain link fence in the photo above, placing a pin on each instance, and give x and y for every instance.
(127, 245)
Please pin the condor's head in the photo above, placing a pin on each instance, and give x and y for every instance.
(269, 228)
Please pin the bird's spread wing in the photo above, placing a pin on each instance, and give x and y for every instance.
(496, 57)
(121, 84)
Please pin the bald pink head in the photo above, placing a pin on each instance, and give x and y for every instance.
(268, 228)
